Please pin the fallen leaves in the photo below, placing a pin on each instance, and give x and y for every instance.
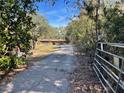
(84, 79)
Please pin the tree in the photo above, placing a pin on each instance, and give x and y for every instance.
(16, 23)
(81, 33)
(113, 25)
(15, 27)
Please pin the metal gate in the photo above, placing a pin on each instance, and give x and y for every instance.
(109, 66)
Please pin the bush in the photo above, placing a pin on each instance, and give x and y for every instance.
(5, 62)
(19, 61)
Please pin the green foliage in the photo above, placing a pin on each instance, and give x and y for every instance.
(41, 25)
(114, 24)
(108, 24)
(43, 30)
(16, 23)
(80, 32)
(15, 29)
(19, 61)
(5, 63)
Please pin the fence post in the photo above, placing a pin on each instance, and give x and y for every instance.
(101, 45)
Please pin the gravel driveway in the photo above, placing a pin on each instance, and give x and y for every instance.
(48, 75)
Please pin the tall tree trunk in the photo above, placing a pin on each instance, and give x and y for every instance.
(97, 18)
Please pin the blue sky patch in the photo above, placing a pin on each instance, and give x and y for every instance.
(58, 15)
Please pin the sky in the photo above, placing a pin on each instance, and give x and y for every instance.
(58, 15)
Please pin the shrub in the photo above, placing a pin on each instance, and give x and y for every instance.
(19, 61)
(5, 62)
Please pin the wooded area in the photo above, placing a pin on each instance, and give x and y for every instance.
(20, 27)
(98, 21)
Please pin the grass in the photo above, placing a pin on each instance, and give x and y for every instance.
(42, 50)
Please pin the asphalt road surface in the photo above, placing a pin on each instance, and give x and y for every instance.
(49, 75)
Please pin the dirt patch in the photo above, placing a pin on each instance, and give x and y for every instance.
(84, 79)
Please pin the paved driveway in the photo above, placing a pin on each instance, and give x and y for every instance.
(48, 75)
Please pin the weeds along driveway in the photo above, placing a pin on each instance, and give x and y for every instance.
(49, 75)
